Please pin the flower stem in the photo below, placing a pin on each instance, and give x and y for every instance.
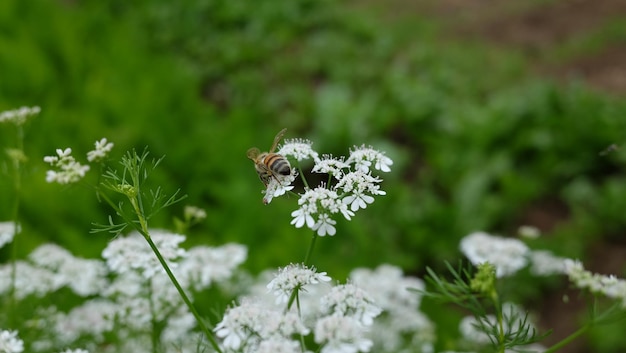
(309, 253)
(143, 229)
(567, 339)
(498, 306)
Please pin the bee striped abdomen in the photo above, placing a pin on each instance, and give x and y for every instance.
(277, 164)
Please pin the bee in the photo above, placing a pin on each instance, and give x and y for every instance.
(269, 164)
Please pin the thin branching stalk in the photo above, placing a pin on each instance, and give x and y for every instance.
(134, 169)
(567, 340)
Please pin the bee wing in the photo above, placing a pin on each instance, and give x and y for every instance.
(279, 135)
(253, 153)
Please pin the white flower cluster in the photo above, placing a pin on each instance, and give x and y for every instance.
(322, 202)
(610, 285)
(67, 170)
(247, 326)
(354, 186)
(350, 300)
(84, 276)
(279, 186)
(194, 214)
(401, 318)
(51, 268)
(20, 115)
(508, 255)
(205, 265)
(7, 232)
(103, 147)
(10, 343)
(300, 149)
(292, 277)
(129, 295)
(133, 253)
(338, 319)
(545, 263)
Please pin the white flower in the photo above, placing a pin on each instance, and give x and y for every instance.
(84, 276)
(132, 252)
(609, 286)
(95, 317)
(349, 300)
(544, 263)
(103, 147)
(19, 116)
(325, 225)
(279, 185)
(323, 203)
(302, 216)
(29, 280)
(10, 343)
(178, 328)
(529, 232)
(396, 295)
(278, 345)
(341, 334)
(389, 288)
(7, 232)
(330, 165)
(292, 277)
(193, 213)
(356, 186)
(299, 149)
(238, 324)
(362, 157)
(69, 170)
(248, 323)
(205, 265)
(506, 254)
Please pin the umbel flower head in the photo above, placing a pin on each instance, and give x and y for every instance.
(10, 343)
(19, 116)
(292, 277)
(351, 185)
(7, 232)
(67, 170)
(132, 252)
(608, 285)
(508, 255)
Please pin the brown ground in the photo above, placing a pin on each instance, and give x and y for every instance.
(583, 39)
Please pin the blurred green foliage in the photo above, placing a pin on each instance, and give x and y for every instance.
(477, 143)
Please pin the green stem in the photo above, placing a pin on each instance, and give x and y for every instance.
(567, 339)
(144, 231)
(306, 184)
(309, 253)
(499, 315)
